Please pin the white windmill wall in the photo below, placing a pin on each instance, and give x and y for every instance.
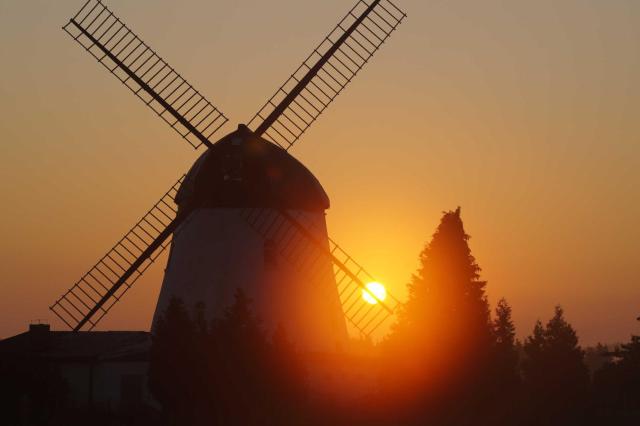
(216, 251)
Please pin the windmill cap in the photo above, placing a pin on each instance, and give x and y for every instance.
(245, 170)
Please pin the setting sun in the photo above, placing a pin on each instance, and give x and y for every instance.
(374, 289)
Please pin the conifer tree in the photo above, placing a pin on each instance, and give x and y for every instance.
(238, 373)
(617, 385)
(288, 380)
(172, 364)
(534, 349)
(226, 373)
(441, 345)
(555, 375)
(447, 308)
(505, 356)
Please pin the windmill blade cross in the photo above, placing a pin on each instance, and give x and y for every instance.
(145, 73)
(283, 119)
(326, 72)
(93, 296)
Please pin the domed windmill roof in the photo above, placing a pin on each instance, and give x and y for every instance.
(244, 170)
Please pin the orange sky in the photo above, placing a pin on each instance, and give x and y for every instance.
(523, 113)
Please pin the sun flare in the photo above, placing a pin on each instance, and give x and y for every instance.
(374, 289)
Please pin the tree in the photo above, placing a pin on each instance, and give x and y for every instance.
(505, 359)
(225, 373)
(288, 377)
(238, 373)
(617, 385)
(441, 345)
(555, 375)
(447, 307)
(174, 363)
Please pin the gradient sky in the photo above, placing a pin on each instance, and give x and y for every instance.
(525, 113)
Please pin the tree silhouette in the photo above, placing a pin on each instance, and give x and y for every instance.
(239, 370)
(288, 375)
(174, 364)
(555, 375)
(505, 354)
(504, 376)
(225, 373)
(447, 306)
(442, 341)
(617, 385)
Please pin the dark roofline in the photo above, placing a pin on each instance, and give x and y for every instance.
(83, 346)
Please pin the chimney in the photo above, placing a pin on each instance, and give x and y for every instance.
(39, 328)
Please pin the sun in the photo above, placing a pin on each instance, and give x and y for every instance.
(374, 289)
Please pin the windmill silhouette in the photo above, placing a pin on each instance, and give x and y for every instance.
(246, 205)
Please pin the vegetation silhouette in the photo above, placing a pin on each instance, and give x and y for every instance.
(448, 361)
(443, 339)
(555, 375)
(617, 385)
(226, 372)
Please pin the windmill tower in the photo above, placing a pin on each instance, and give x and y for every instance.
(217, 251)
(247, 214)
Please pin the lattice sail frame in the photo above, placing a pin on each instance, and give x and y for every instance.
(145, 73)
(334, 75)
(295, 237)
(75, 306)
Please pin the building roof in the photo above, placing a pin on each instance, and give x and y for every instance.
(74, 346)
(244, 170)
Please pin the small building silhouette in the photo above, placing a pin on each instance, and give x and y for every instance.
(102, 371)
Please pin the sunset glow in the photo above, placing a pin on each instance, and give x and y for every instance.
(374, 289)
(557, 133)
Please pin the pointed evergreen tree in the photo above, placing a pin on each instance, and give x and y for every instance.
(172, 362)
(505, 357)
(555, 375)
(534, 349)
(239, 376)
(447, 309)
(442, 343)
(617, 385)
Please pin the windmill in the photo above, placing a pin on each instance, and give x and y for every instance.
(247, 213)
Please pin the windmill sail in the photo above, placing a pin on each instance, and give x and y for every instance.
(326, 72)
(146, 74)
(291, 234)
(93, 296)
